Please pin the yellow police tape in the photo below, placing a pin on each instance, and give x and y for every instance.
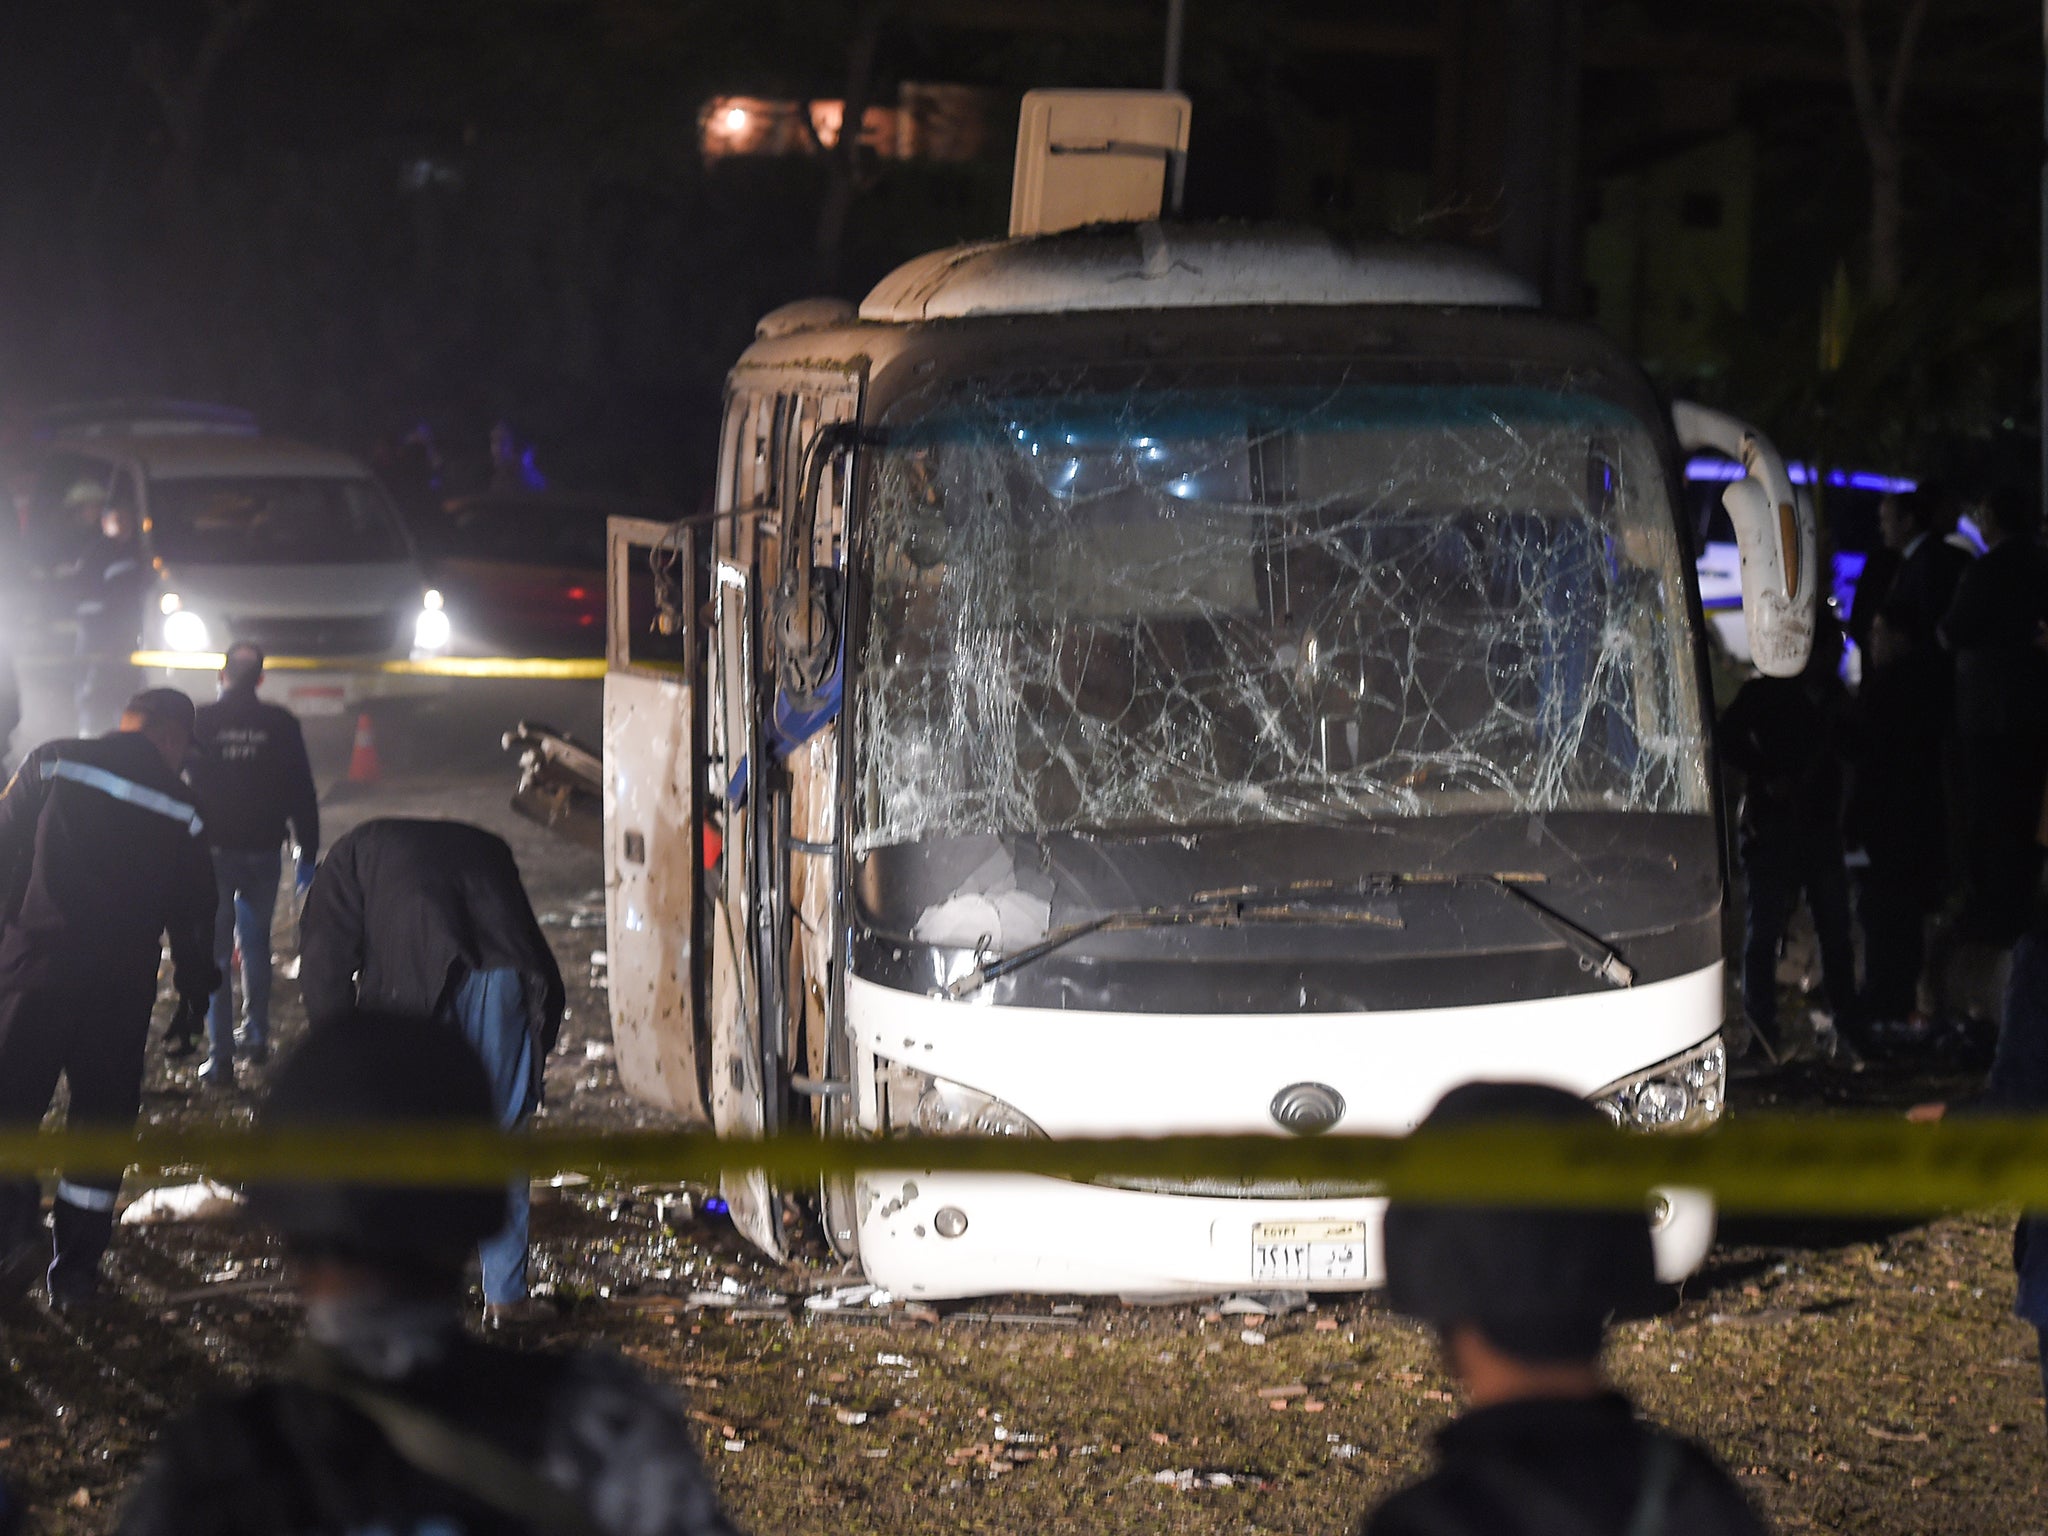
(1835, 1165)
(550, 667)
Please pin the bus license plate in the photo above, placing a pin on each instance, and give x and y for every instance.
(314, 700)
(1308, 1250)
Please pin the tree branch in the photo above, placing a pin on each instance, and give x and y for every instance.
(1902, 59)
(181, 94)
(1862, 82)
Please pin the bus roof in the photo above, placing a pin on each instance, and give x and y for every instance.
(1179, 266)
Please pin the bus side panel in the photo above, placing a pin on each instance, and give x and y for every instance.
(738, 1089)
(813, 879)
(651, 842)
(650, 890)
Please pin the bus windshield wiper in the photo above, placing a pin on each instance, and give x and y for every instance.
(1595, 953)
(1213, 909)
(1316, 901)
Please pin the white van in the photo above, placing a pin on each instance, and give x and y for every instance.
(1145, 679)
(293, 547)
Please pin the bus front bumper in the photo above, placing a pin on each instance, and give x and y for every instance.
(948, 1235)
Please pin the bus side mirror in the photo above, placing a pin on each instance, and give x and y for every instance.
(1773, 531)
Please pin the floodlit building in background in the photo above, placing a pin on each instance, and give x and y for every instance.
(926, 122)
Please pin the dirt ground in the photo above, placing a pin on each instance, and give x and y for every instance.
(1857, 1378)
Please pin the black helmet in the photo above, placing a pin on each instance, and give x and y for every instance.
(373, 1069)
(1539, 1284)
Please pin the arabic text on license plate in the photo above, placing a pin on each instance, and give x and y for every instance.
(1308, 1250)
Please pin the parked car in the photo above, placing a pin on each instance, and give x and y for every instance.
(523, 574)
(294, 547)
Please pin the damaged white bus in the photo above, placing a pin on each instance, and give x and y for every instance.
(1146, 678)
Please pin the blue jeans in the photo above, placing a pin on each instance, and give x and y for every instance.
(490, 1009)
(248, 900)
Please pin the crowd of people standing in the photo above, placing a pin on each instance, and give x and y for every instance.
(1934, 766)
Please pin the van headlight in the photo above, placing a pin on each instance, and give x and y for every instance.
(184, 630)
(1686, 1093)
(431, 631)
(925, 1105)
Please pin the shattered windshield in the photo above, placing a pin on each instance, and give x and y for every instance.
(1180, 608)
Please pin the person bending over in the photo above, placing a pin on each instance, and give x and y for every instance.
(429, 919)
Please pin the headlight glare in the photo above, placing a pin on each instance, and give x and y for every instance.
(1686, 1093)
(184, 630)
(431, 631)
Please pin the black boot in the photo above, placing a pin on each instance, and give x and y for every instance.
(79, 1234)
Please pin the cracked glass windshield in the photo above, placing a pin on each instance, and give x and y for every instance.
(1200, 607)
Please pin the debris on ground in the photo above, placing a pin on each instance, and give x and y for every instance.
(841, 1297)
(1849, 1373)
(1262, 1303)
(586, 911)
(203, 1200)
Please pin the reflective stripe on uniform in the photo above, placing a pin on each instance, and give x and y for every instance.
(85, 1197)
(126, 790)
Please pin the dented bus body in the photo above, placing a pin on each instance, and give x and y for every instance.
(1155, 679)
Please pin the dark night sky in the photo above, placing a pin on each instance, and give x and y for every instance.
(369, 212)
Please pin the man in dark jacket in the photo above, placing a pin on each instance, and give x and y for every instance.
(1520, 1301)
(1897, 814)
(253, 781)
(1784, 734)
(1917, 587)
(429, 919)
(101, 854)
(390, 1418)
(1994, 630)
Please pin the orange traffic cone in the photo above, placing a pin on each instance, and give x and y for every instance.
(363, 766)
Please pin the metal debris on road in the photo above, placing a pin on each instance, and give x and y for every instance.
(1191, 1479)
(840, 1297)
(586, 911)
(204, 1200)
(1262, 1303)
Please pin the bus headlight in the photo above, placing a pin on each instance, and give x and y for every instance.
(935, 1106)
(184, 630)
(1686, 1093)
(431, 631)
(947, 1109)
